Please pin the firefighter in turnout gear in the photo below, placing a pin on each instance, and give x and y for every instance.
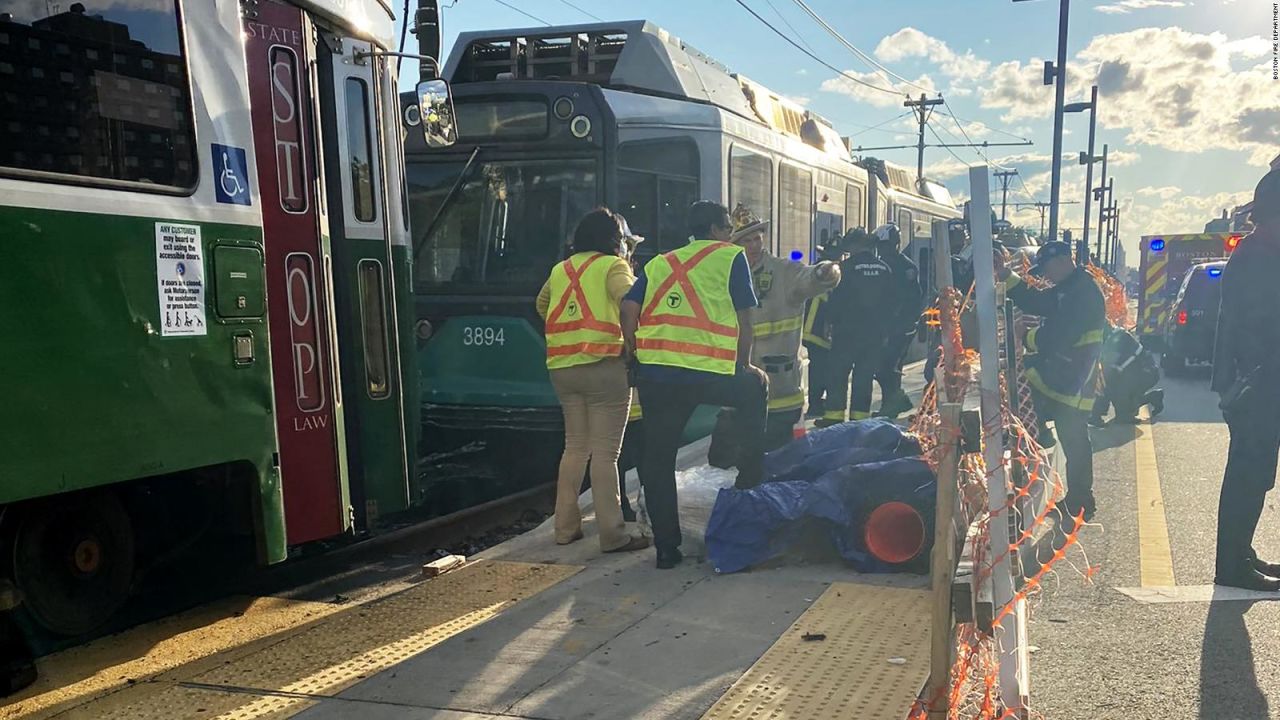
(816, 335)
(858, 328)
(782, 287)
(904, 316)
(1062, 358)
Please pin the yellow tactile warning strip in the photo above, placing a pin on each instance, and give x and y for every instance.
(872, 663)
(279, 677)
(1155, 558)
(77, 675)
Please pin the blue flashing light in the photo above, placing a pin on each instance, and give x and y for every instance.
(1215, 271)
(1157, 245)
(797, 255)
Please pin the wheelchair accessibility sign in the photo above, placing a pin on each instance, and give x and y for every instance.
(231, 175)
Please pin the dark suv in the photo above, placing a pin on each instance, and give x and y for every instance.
(1193, 322)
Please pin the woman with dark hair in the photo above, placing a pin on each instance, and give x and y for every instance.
(580, 304)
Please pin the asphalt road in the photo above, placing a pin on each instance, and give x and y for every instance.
(1103, 654)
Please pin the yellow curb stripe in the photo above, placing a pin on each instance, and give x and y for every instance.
(1155, 556)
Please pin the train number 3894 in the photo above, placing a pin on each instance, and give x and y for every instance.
(483, 336)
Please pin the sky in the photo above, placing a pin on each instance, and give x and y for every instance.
(1187, 104)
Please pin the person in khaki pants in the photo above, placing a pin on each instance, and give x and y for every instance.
(580, 304)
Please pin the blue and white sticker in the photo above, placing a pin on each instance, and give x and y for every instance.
(231, 171)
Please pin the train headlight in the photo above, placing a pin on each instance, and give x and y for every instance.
(412, 116)
(580, 126)
(563, 108)
(424, 330)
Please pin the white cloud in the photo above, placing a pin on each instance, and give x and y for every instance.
(910, 42)
(802, 71)
(870, 95)
(1168, 87)
(1126, 6)
(1163, 192)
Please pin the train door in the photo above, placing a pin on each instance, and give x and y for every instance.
(828, 218)
(364, 286)
(308, 401)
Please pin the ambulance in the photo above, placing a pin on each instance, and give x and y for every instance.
(1164, 260)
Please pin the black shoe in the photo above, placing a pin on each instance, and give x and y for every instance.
(1248, 579)
(628, 513)
(1155, 398)
(1097, 422)
(1126, 420)
(1266, 568)
(15, 676)
(825, 423)
(669, 558)
(1046, 438)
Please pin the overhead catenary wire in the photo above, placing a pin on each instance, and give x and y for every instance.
(787, 22)
(584, 12)
(884, 71)
(522, 12)
(811, 55)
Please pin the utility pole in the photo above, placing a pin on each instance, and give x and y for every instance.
(1041, 206)
(923, 109)
(1003, 176)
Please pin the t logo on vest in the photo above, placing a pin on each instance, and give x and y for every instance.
(674, 300)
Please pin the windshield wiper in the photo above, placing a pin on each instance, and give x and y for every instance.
(448, 200)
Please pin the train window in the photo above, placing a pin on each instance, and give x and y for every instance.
(373, 327)
(905, 227)
(751, 181)
(118, 95)
(488, 119)
(657, 182)
(795, 210)
(360, 148)
(853, 213)
(507, 223)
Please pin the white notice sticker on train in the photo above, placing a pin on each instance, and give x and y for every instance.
(180, 279)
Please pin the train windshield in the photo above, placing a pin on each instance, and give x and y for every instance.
(507, 225)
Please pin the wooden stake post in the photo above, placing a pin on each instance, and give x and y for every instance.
(943, 560)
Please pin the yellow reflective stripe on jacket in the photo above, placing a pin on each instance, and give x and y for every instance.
(583, 323)
(1031, 339)
(637, 412)
(1072, 401)
(688, 319)
(775, 327)
(1091, 337)
(811, 315)
(790, 402)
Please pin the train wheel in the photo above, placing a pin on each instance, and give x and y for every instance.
(73, 560)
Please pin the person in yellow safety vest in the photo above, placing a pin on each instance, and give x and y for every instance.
(581, 305)
(633, 437)
(1062, 358)
(688, 320)
(782, 287)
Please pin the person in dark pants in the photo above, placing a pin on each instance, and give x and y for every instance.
(904, 315)
(1062, 358)
(1129, 376)
(1245, 364)
(17, 664)
(687, 321)
(858, 329)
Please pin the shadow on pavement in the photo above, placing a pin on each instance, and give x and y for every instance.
(1228, 679)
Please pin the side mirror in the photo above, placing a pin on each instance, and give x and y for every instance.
(435, 107)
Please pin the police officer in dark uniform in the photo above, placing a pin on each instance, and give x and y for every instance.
(858, 328)
(904, 314)
(1245, 374)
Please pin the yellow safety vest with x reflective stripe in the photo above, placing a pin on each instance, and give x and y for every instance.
(583, 325)
(688, 319)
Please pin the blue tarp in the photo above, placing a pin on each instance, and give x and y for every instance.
(832, 477)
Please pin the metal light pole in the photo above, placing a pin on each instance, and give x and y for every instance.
(1087, 159)
(1098, 191)
(1057, 71)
